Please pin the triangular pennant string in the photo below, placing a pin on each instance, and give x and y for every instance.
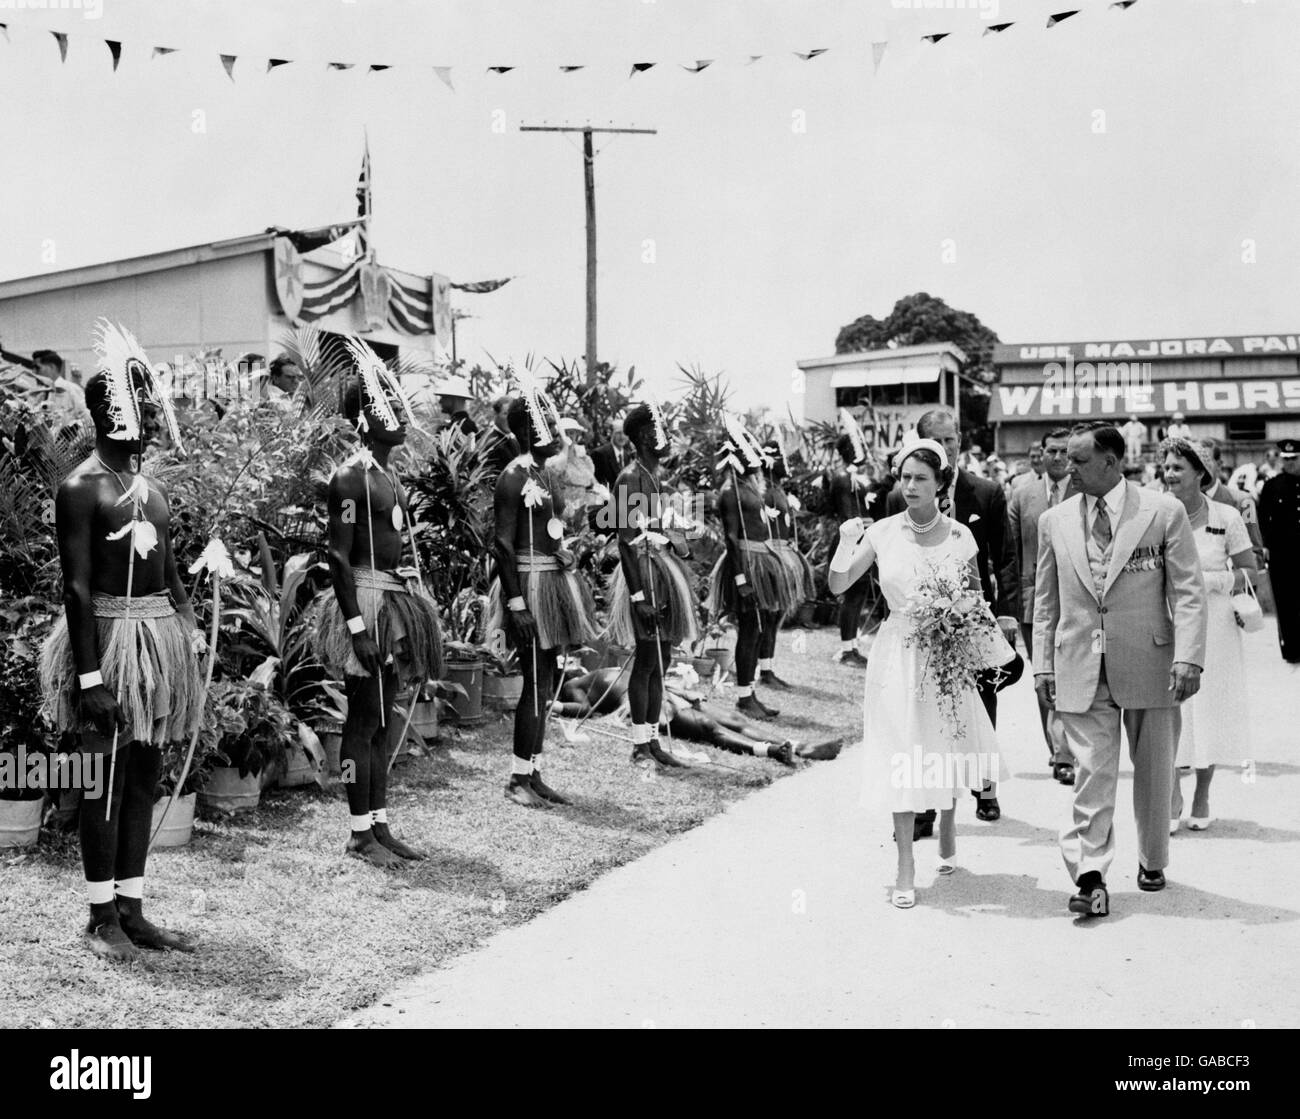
(641, 68)
(228, 61)
(997, 28)
(4, 30)
(375, 67)
(877, 53)
(1123, 5)
(159, 51)
(700, 64)
(62, 39)
(339, 65)
(571, 69)
(115, 49)
(1061, 17)
(444, 76)
(935, 38)
(807, 55)
(272, 63)
(500, 69)
(752, 59)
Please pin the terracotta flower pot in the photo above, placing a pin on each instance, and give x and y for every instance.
(502, 692)
(704, 667)
(298, 769)
(20, 822)
(722, 656)
(180, 821)
(226, 791)
(467, 709)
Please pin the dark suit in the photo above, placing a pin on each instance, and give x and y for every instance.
(1029, 502)
(609, 461)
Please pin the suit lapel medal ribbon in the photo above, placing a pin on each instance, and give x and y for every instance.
(1146, 559)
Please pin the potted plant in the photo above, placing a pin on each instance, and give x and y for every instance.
(26, 740)
(503, 683)
(711, 646)
(463, 671)
(252, 730)
(179, 825)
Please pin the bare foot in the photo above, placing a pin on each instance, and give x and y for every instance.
(398, 848)
(364, 845)
(107, 940)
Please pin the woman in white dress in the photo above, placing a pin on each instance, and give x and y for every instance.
(1216, 721)
(917, 757)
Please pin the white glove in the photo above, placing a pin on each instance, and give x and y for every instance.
(852, 530)
(1219, 582)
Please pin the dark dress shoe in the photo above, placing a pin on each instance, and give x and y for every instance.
(922, 828)
(1150, 880)
(1064, 773)
(853, 658)
(987, 808)
(1091, 902)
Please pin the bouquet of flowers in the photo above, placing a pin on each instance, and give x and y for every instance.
(951, 624)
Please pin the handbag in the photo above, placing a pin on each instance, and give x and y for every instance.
(1246, 607)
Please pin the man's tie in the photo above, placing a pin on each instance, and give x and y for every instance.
(1101, 526)
(1056, 494)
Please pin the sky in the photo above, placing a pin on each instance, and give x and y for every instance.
(1126, 174)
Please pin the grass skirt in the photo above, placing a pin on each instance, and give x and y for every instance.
(663, 572)
(407, 621)
(799, 574)
(768, 574)
(559, 600)
(147, 662)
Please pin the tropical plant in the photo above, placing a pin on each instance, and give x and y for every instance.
(23, 729)
(246, 726)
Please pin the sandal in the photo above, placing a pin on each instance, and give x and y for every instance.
(903, 899)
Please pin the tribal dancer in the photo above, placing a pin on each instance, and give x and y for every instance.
(686, 716)
(121, 667)
(750, 582)
(376, 626)
(785, 538)
(537, 600)
(651, 605)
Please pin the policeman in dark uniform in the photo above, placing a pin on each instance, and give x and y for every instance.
(1279, 523)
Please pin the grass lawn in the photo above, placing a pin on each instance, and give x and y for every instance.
(295, 934)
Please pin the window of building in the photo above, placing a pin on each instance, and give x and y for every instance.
(1247, 429)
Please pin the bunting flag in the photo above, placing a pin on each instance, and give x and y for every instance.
(935, 38)
(482, 287)
(159, 51)
(228, 62)
(571, 69)
(641, 68)
(115, 49)
(997, 28)
(500, 69)
(339, 65)
(808, 55)
(305, 240)
(752, 59)
(1123, 5)
(700, 64)
(4, 30)
(363, 203)
(1061, 17)
(444, 76)
(62, 39)
(272, 63)
(375, 67)
(877, 53)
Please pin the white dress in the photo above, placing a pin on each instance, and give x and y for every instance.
(914, 759)
(1216, 720)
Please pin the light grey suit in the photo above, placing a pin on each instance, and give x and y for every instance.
(1112, 655)
(1028, 503)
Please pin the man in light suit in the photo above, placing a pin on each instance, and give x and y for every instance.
(1028, 503)
(1119, 634)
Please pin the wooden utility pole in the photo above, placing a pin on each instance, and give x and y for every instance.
(589, 185)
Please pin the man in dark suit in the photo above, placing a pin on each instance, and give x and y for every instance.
(1218, 490)
(981, 505)
(499, 447)
(1029, 502)
(610, 458)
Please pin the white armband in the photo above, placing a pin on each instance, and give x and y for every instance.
(90, 679)
(741, 580)
(639, 596)
(356, 625)
(517, 604)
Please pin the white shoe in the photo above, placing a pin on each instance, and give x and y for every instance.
(947, 866)
(1199, 823)
(1174, 825)
(903, 899)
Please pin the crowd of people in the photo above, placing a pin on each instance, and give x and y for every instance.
(1121, 597)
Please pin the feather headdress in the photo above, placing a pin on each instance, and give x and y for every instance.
(739, 451)
(854, 431)
(127, 368)
(657, 416)
(377, 382)
(538, 406)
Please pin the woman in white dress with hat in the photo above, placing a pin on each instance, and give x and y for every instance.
(922, 750)
(1216, 721)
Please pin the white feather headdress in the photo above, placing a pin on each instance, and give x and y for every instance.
(377, 381)
(121, 360)
(854, 431)
(538, 406)
(739, 450)
(661, 428)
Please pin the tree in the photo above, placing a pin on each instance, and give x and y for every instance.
(919, 319)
